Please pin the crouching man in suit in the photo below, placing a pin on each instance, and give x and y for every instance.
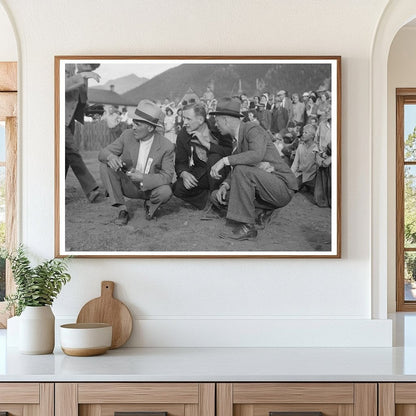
(259, 182)
(139, 164)
(197, 150)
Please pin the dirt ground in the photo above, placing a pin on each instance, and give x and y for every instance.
(300, 226)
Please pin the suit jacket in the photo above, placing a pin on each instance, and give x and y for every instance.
(255, 146)
(183, 152)
(265, 119)
(160, 160)
(75, 98)
(280, 118)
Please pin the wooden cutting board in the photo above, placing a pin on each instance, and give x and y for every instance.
(108, 310)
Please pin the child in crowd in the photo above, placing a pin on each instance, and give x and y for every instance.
(306, 163)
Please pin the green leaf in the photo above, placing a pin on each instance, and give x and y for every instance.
(35, 286)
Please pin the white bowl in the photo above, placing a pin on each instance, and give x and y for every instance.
(84, 340)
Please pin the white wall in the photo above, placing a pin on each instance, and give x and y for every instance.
(184, 302)
(8, 46)
(401, 74)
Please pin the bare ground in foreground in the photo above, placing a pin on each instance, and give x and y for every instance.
(300, 226)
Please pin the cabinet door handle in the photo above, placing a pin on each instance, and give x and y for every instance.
(295, 413)
(139, 414)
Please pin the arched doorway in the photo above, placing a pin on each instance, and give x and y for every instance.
(397, 14)
(401, 101)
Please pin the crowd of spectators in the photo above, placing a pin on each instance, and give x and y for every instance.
(298, 124)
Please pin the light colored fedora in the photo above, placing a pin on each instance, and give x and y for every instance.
(148, 112)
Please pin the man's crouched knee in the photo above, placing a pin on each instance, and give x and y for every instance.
(161, 194)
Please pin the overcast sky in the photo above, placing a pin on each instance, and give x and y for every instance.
(111, 71)
(409, 119)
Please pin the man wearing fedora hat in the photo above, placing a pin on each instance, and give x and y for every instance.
(259, 182)
(139, 164)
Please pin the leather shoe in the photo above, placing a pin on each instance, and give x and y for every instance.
(123, 218)
(93, 195)
(149, 216)
(263, 219)
(241, 232)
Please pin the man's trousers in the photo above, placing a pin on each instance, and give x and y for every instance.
(119, 185)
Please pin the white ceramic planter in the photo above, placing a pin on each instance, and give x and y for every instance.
(12, 334)
(37, 330)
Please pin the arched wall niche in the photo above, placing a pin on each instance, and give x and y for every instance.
(396, 15)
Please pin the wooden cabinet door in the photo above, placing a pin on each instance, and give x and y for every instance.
(309, 399)
(397, 399)
(145, 399)
(27, 399)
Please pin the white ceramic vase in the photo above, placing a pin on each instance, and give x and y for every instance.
(37, 330)
(12, 334)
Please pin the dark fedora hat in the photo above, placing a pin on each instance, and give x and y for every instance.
(228, 107)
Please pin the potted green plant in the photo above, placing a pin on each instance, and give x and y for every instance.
(36, 289)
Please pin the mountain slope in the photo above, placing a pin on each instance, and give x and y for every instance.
(123, 84)
(226, 80)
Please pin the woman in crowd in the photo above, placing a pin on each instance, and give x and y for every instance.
(324, 106)
(252, 116)
(255, 103)
(244, 109)
(169, 124)
(179, 120)
(311, 108)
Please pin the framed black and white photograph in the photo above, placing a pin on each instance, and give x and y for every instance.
(198, 156)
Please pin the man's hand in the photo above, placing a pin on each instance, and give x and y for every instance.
(189, 180)
(198, 138)
(114, 162)
(327, 162)
(222, 194)
(135, 175)
(215, 170)
(92, 75)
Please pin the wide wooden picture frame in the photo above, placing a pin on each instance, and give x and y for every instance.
(96, 100)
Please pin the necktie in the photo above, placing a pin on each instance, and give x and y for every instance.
(235, 145)
(191, 158)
